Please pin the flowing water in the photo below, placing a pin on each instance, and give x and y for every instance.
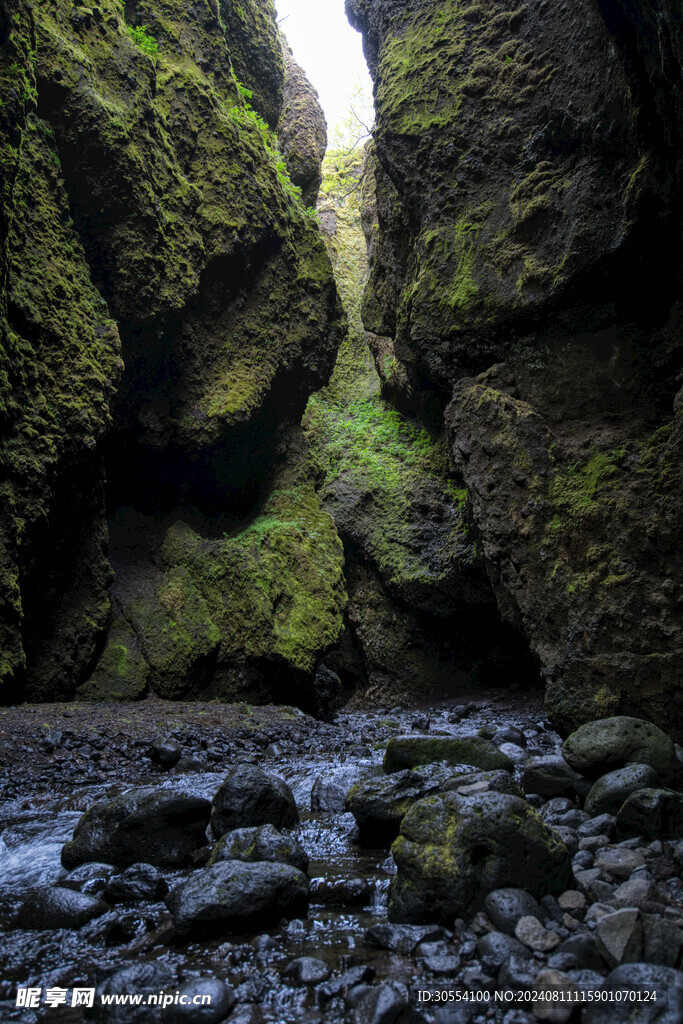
(349, 884)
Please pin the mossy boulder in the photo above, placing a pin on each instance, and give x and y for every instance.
(260, 843)
(454, 850)
(380, 802)
(408, 751)
(611, 743)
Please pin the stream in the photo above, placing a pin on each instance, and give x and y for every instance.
(349, 883)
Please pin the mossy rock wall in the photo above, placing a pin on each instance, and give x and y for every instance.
(147, 220)
(525, 228)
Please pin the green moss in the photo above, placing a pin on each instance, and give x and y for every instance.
(274, 590)
(582, 492)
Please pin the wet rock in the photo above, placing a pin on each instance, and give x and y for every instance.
(342, 984)
(249, 796)
(342, 892)
(653, 813)
(327, 796)
(504, 907)
(261, 842)
(142, 979)
(509, 734)
(664, 983)
(166, 752)
(611, 743)
(306, 970)
(556, 1010)
(237, 896)
(382, 1005)
(222, 1002)
(603, 825)
(609, 792)
(409, 751)
(549, 777)
(454, 850)
(494, 949)
(618, 862)
(138, 882)
(52, 907)
(158, 826)
(88, 878)
(531, 932)
(402, 938)
(379, 802)
(619, 937)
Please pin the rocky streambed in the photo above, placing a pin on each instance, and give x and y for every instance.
(439, 863)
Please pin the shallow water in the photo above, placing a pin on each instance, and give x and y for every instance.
(33, 831)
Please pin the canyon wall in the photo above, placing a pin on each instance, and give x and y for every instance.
(149, 220)
(525, 286)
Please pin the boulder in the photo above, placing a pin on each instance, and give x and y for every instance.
(164, 827)
(660, 988)
(611, 743)
(379, 802)
(408, 751)
(261, 842)
(222, 1002)
(549, 777)
(609, 792)
(306, 970)
(494, 948)
(55, 907)
(235, 896)
(144, 979)
(653, 813)
(138, 882)
(454, 850)
(249, 796)
(504, 907)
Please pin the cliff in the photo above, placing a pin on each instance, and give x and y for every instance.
(526, 273)
(149, 221)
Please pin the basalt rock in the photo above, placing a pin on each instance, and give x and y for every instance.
(525, 265)
(454, 850)
(302, 131)
(156, 826)
(146, 215)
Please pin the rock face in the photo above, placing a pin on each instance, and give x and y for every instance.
(156, 826)
(302, 131)
(147, 215)
(454, 850)
(526, 267)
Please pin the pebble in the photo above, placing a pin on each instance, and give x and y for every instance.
(531, 932)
